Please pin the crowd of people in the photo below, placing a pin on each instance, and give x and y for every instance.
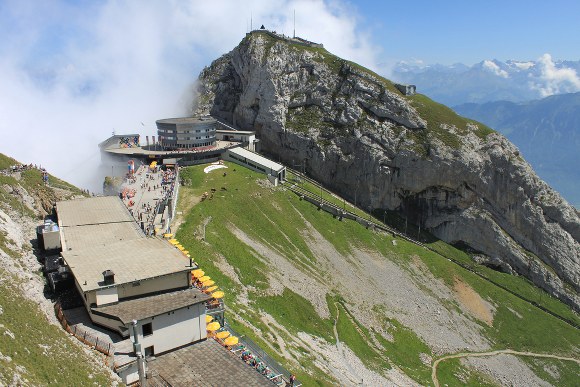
(148, 179)
(26, 167)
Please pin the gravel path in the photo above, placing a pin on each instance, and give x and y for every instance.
(495, 353)
(448, 319)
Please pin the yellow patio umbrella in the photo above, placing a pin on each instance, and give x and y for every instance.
(213, 326)
(207, 283)
(232, 340)
(208, 318)
(211, 288)
(167, 235)
(197, 273)
(222, 334)
(174, 241)
(218, 294)
(205, 278)
(188, 256)
(186, 252)
(180, 247)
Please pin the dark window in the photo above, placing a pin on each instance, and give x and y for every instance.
(149, 351)
(147, 329)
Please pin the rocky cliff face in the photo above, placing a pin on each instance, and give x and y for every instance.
(357, 134)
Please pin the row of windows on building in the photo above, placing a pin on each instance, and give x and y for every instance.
(245, 161)
(184, 138)
(196, 145)
(195, 138)
(173, 131)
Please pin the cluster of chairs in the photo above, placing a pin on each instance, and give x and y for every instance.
(255, 362)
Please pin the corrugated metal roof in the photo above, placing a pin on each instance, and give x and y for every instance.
(256, 158)
(151, 306)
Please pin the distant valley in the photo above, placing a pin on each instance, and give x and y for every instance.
(547, 132)
(492, 80)
(535, 104)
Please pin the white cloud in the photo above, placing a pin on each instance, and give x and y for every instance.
(554, 80)
(494, 68)
(524, 65)
(72, 74)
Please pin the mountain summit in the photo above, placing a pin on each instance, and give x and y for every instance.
(355, 132)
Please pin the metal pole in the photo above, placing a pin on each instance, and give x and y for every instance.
(141, 368)
(140, 359)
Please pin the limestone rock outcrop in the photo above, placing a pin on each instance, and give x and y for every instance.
(353, 131)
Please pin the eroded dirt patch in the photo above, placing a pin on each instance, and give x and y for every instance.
(472, 301)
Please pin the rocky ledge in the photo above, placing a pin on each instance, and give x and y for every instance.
(353, 131)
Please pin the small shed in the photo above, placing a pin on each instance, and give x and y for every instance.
(406, 89)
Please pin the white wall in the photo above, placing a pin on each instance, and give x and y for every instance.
(110, 323)
(151, 285)
(107, 296)
(174, 329)
(129, 373)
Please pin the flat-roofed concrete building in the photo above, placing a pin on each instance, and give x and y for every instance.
(276, 172)
(246, 138)
(187, 132)
(122, 275)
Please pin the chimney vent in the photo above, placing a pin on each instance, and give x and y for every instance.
(109, 277)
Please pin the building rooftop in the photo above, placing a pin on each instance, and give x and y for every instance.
(78, 237)
(186, 120)
(133, 260)
(94, 210)
(144, 307)
(241, 152)
(140, 151)
(234, 131)
(205, 364)
(95, 221)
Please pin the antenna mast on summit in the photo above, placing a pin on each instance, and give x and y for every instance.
(294, 24)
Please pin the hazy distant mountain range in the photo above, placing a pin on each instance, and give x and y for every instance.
(491, 80)
(547, 131)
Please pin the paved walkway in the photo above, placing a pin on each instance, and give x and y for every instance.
(143, 192)
(122, 348)
(493, 353)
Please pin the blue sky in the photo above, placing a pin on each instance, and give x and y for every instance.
(71, 72)
(449, 31)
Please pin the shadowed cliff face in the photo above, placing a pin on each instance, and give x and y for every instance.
(354, 132)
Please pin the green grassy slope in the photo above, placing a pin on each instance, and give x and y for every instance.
(277, 218)
(34, 352)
